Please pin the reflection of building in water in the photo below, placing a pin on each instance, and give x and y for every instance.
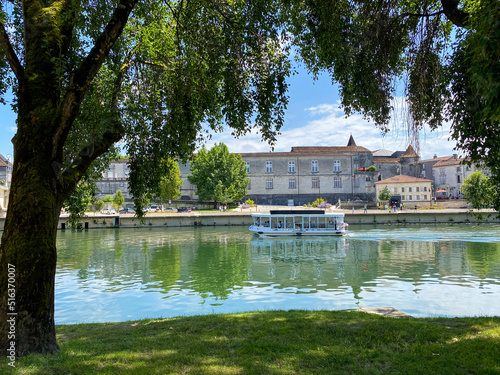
(420, 259)
(328, 264)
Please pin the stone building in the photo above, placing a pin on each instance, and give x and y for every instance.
(307, 173)
(449, 175)
(413, 190)
(114, 179)
(391, 164)
(299, 176)
(5, 180)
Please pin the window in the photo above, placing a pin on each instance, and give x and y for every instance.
(291, 167)
(459, 179)
(409, 189)
(314, 166)
(425, 196)
(336, 165)
(247, 164)
(291, 183)
(402, 190)
(417, 189)
(269, 184)
(417, 197)
(424, 188)
(315, 182)
(410, 197)
(337, 182)
(269, 167)
(442, 179)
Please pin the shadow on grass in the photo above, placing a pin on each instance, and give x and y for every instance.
(294, 342)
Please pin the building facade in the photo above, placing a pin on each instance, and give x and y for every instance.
(449, 175)
(5, 180)
(413, 190)
(299, 176)
(114, 179)
(307, 173)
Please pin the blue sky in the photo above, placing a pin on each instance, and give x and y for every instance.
(312, 119)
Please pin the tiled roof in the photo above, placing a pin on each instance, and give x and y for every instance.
(402, 179)
(451, 161)
(436, 159)
(410, 153)
(309, 151)
(4, 162)
(385, 160)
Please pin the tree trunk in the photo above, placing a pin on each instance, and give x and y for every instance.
(28, 257)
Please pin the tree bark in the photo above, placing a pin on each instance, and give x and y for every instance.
(28, 248)
(28, 253)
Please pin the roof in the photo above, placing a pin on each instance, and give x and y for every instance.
(402, 179)
(4, 162)
(410, 153)
(351, 142)
(309, 151)
(381, 153)
(436, 159)
(385, 161)
(451, 161)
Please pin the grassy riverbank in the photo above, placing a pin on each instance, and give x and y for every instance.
(276, 342)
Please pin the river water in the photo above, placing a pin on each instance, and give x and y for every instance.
(127, 274)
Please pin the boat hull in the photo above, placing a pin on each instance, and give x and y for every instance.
(266, 232)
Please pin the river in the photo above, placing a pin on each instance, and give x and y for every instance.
(111, 275)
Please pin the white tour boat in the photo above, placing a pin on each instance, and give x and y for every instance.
(298, 223)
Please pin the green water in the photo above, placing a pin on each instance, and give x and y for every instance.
(126, 274)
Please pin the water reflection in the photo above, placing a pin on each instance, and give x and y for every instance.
(116, 275)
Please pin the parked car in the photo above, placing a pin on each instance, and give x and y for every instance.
(156, 208)
(169, 209)
(184, 209)
(108, 211)
(127, 211)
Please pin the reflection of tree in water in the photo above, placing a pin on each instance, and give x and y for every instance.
(218, 267)
(166, 266)
(484, 259)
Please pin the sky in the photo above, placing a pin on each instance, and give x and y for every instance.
(313, 118)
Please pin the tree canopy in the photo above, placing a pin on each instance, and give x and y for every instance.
(384, 194)
(446, 54)
(219, 175)
(157, 75)
(169, 186)
(479, 191)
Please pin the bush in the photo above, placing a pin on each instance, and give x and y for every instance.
(317, 202)
(249, 202)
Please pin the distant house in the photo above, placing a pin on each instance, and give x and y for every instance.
(449, 175)
(115, 178)
(389, 163)
(413, 190)
(5, 180)
(4, 198)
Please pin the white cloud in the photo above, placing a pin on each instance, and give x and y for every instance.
(328, 126)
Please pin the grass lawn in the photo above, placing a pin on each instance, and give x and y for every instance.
(275, 342)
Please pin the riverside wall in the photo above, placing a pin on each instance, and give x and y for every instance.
(244, 218)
